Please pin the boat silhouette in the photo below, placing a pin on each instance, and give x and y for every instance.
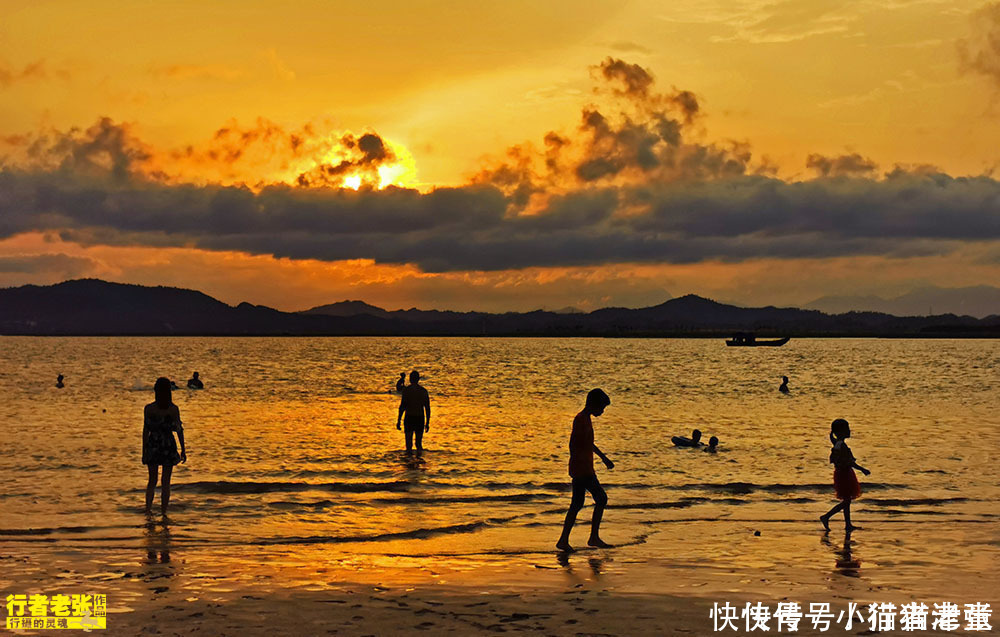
(749, 340)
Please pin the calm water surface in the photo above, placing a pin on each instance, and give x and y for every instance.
(292, 447)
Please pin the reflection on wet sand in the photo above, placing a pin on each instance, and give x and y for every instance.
(846, 563)
(597, 565)
(158, 544)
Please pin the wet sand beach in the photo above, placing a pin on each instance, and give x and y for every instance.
(297, 514)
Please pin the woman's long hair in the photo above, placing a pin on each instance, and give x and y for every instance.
(161, 389)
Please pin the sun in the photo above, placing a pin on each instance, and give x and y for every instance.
(353, 182)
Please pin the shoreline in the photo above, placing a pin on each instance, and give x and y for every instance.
(650, 587)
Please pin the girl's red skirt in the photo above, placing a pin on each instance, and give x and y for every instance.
(846, 484)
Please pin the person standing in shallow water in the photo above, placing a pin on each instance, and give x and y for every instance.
(581, 470)
(414, 405)
(784, 385)
(845, 481)
(161, 419)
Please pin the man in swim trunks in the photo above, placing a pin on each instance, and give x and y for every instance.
(413, 406)
(581, 470)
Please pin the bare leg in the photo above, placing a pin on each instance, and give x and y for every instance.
(600, 502)
(165, 488)
(151, 487)
(409, 438)
(419, 439)
(825, 518)
(847, 517)
(574, 507)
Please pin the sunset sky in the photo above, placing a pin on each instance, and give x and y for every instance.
(502, 156)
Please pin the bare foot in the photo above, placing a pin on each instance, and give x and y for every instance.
(564, 546)
(599, 543)
(851, 527)
(826, 522)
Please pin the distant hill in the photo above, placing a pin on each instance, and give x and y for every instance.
(347, 308)
(93, 307)
(979, 301)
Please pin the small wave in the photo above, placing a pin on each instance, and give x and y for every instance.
(227, 486)
(890, 502)
(745, 488)
(286, 505)
(65, 529)
(681, 504)
(516, 497)
(415, 534)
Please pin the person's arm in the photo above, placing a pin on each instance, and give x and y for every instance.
(860, 468)
(427, 410)
(145, 427)
(604, 458)
(399, 416)
(179, 428)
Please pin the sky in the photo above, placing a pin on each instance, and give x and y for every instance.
(502, 156)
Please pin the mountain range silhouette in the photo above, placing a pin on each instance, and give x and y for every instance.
(95, 307)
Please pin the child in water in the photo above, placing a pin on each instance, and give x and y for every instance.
(713, 445)
(845, 481)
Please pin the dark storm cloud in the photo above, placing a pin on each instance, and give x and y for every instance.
(631, 183)
(738, 218)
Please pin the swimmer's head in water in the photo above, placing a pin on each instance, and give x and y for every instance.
(414, 376)
(696, 435)
(784, 379)
(59, 377)
(840, 429)
(713, 442)
(196, 374)
(597, 400)
(161, 389)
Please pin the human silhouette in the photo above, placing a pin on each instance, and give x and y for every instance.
(161, 419)
(784, 385)
(713, 444)
(581, 470)
(693, 441)
(401, 383)
(845, 481)
(59, 381)
(414, 404)
(195, 383)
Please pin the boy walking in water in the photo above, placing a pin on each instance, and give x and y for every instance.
(845, 481)
(581, 470)
(415, 403)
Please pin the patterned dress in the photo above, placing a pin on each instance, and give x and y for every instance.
(158, 444)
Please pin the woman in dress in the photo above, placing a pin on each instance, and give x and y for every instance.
(161, 419)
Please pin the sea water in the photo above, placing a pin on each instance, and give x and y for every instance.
(292, 450)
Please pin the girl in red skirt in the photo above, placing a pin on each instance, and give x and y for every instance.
(845, 482)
